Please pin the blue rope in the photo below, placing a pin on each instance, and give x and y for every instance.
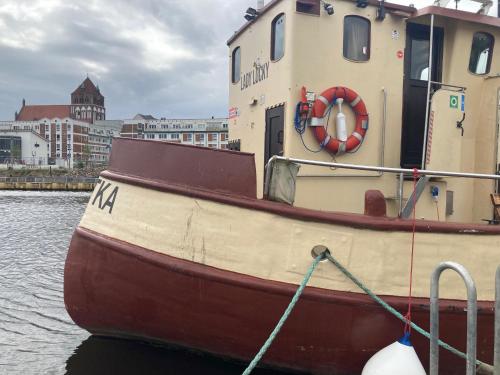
(285, 316)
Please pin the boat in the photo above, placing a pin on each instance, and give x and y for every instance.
(204, 248)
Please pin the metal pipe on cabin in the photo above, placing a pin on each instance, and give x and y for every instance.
(384, 123)
(471, 317)
(382, 147)
(400, 193)
(389, 169)
(461, 88)
(496, 164)
(427, 102)
(496, 360)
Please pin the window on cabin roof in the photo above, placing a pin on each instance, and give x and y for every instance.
(356, 38)
(278, 37)
(481, 53)
(236, 65)
(308, 6)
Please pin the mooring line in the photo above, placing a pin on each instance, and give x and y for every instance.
(285, 316)
(483, 368)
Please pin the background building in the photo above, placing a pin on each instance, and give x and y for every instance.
(67, 139)
(199, 132)
(101, 134)
(87, 105)
(23, 147)
(79, 132)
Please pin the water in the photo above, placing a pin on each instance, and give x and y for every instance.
(36, 334)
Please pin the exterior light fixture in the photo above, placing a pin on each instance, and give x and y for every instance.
(381, 11)
(328, 8)
(361, 3)
(251, 14)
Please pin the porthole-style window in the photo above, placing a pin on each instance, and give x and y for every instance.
(278, 37)
(481, 53)
(356, 38)
(236, 65)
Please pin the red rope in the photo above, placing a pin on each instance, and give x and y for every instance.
(407, 328)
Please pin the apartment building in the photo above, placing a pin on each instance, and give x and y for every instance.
(212, 132)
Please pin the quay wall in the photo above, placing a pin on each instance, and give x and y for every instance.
(48, 183)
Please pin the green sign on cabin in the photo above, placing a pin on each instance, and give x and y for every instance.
(453, 101)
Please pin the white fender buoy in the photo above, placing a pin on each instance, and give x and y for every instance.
(396, 359)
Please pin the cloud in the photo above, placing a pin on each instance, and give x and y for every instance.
(165, 57)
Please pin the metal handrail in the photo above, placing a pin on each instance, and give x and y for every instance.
(471, 317)
(496, 360)
(461, 88)
(383, 169)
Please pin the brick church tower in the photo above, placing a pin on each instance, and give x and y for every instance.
(87, 103)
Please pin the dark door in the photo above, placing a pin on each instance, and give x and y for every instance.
(274, 132)
(416, 72)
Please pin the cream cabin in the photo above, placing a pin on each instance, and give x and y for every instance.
(378, 54)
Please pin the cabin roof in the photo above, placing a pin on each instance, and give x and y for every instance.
(390, 7)
(458, 15)
(397, 9)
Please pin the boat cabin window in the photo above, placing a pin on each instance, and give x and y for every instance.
(481, 53)
(419, 69)
(356, 38)
(236, 63)
(278, 37)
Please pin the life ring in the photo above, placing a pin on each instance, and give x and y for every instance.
(325, 100)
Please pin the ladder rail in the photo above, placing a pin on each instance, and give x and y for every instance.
(496, 360)
(471, 317)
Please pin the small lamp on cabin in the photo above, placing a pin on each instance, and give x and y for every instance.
(251, 14)
(328, 8)
(361, 3)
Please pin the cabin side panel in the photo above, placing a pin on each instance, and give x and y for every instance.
(262, 84)
(319, 64)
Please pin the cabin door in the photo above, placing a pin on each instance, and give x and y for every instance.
(416, 72)
(274, 132)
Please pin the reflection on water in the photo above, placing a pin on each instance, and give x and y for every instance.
(36, 334)
(100, 356)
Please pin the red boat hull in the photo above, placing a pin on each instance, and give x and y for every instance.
(114, 288)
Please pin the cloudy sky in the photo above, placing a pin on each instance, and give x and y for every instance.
(162, 57)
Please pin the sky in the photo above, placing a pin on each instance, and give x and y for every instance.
(167, 58)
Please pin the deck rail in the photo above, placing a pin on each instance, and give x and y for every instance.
(425, 172)
(399, 171)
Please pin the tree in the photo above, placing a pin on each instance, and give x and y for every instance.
(86, 154)
(15, 150)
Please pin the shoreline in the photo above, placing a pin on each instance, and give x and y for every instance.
(62, 183)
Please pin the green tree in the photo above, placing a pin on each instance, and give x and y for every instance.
(15, 150)
(86, 154)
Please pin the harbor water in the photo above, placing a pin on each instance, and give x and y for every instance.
(36, 334)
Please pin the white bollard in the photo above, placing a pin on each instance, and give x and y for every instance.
(396, 359)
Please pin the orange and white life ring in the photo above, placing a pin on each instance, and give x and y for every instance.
(318, 120)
